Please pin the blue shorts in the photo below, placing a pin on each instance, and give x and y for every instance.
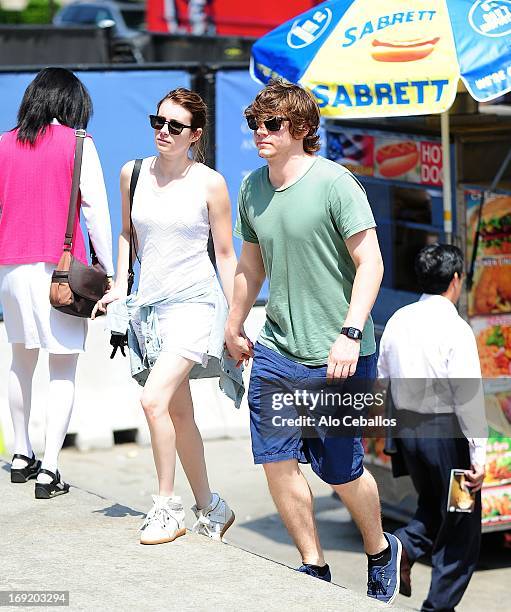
(336, 459)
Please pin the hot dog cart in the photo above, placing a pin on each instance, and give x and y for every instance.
(399, 162)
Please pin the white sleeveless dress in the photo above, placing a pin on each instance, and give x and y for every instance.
(172, 229)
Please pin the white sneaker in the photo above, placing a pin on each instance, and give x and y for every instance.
(214, 520)
(164, 522)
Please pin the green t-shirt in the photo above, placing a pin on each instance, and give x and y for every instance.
(301, 232)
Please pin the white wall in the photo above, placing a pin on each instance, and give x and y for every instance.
(107, 399)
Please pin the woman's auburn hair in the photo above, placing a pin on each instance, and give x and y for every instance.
(192, 102)
(282, 99)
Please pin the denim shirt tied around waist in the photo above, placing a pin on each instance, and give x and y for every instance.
(120, 315)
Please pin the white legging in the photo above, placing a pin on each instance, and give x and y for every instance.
(60, 401)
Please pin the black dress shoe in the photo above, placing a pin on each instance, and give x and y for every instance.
(26, 473)
(405, 585)
(51, 489)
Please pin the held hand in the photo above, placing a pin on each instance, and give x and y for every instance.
(342, 359)
(110, 296)
(474, 477)
(239, 346)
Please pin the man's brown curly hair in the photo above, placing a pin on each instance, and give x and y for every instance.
(282, 99)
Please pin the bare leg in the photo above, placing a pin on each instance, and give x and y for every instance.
(168, 373)
(190, 447)
(22, 369)
(362, 500)
(292, 496)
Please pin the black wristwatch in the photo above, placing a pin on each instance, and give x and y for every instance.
(352, 332)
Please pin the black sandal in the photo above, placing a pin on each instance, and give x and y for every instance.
(51, 489)
(26, 473)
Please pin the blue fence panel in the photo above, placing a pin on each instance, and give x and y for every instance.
(236, 154)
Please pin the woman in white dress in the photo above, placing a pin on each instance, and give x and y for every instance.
(36, 158)
(177, 201)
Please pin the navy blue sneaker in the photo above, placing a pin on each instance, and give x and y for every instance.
(383, 580)
(310, 571)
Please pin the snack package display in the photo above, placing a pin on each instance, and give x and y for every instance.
(496, 505)
(493, 336)
(498, 469)
(491, 291)
(397, 158)
(489, 309)
(387, 155)
(498, 415)
(498, 411)
(495, 228)
(460, 498)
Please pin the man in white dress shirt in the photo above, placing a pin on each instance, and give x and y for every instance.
(422, 343)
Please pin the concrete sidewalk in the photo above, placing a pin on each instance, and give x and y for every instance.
(88, 544)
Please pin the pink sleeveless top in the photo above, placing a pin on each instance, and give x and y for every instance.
(35, 184)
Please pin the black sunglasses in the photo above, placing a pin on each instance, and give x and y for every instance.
(272, 125)
(175, 128)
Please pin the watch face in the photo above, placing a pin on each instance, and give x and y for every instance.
(353, 333)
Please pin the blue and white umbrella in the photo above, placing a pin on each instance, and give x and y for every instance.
(364, 59)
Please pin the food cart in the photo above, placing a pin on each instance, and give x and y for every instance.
(386, 78)
(399, 162)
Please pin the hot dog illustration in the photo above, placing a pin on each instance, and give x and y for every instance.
(403, 50)
(397, 158)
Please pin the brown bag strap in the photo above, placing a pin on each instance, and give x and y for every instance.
(75, 186)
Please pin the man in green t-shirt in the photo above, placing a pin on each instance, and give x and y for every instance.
(307, 226)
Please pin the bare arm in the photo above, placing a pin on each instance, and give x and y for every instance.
(219, 207)
(121, 278)
(365, 252)
(248, 280)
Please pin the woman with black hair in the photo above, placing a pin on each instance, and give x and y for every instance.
(36, 158)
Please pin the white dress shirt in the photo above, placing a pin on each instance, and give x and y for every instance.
(95, 204)
(427, 341)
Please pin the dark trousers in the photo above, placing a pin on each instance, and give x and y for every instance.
(453, 539)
